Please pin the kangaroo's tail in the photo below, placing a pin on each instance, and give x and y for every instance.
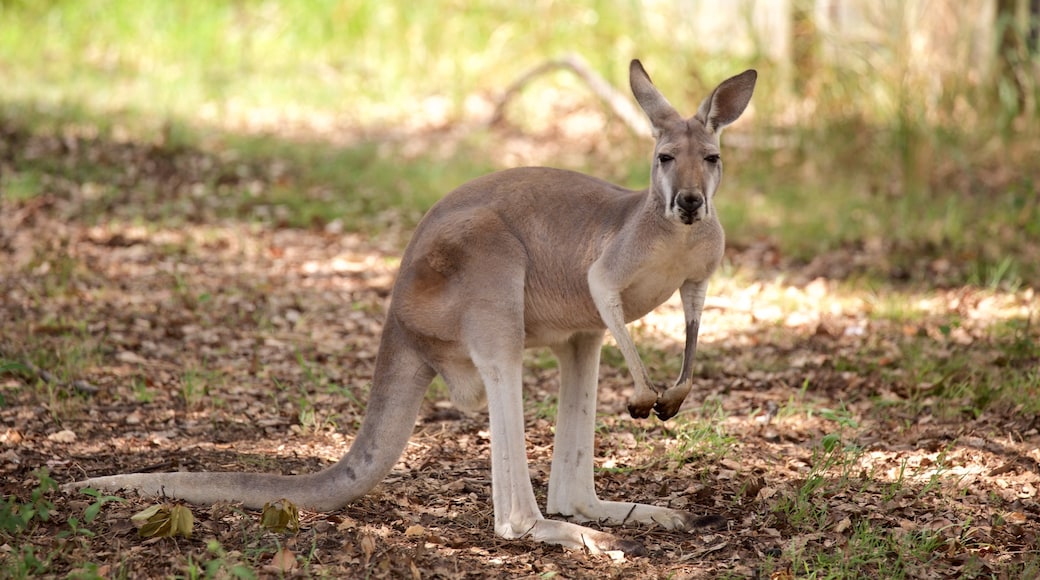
(400, 382)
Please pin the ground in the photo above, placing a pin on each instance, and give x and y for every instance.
(882, 432)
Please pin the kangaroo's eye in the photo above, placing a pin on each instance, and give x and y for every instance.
(664, 158)
(713, 159)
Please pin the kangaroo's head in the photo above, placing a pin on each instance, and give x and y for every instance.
(687, 164)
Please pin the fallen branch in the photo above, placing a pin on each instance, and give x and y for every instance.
(617, 101)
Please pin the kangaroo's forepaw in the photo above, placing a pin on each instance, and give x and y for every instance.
(666, 409)
(640, 404)
(670, 401)
(639, 412)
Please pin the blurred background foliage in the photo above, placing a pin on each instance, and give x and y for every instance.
(895, 140)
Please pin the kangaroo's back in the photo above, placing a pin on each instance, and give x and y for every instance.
(553, 221)
(534, 202)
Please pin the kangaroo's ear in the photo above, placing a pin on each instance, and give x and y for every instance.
(727, 101)
(653, 103)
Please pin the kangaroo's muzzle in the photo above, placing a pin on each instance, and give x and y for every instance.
(689, 204)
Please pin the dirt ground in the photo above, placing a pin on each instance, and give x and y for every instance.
(815, 425)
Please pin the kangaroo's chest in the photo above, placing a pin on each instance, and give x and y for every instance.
(650, 288)
(664, 270)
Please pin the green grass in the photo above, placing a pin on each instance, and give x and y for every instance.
(376, 57)
(869, 550)
(701, 438)
(199, 387)
(19, 517)
(984, 238)
(73, 534)
(66, 354)
(872, 553)
(952, 380)
(366, 186)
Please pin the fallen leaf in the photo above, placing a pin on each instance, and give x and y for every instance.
(63, 436)
(144, 515)
(130, 358)
(284, 560)
(164, 521)
(368, 546)
(280, 516)
(415, 531)
(842, 525)
(1015, 518)
(616, 555)
(348, 523)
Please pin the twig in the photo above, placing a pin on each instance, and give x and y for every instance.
(617, 101)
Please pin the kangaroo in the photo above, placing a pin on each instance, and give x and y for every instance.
(528, 257)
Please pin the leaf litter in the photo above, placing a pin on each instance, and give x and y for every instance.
(233, 346)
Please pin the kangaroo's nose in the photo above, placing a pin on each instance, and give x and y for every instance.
(689, 201)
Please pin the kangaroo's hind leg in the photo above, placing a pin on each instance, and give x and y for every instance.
(492, 332)
(572, 492)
